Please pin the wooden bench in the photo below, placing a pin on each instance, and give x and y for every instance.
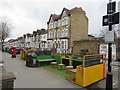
(44, 60)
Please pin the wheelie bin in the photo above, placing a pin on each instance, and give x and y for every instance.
(31, 60)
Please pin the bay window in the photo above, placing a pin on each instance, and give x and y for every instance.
(54, 34)
(65, 21)
(50, 34)
(58, 33)
(55, 24)
(58, 23)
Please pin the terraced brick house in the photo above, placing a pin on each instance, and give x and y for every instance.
(71, 25)
(34, 39)
(28, 40)
(43, 40)
(24, 39)
(21, 42)
(37, 38)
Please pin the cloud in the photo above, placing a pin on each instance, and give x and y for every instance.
(30, 15)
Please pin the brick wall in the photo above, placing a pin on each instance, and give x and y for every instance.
(93, 46)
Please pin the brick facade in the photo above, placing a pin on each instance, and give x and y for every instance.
(72, 25)
(93, 46)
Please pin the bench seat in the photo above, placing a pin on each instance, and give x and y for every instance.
(46, 60)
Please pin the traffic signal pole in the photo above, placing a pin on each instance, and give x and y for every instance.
(109, 76)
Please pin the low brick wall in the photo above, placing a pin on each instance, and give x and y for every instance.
(94, 46)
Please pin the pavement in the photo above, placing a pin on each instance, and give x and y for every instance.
(39, 78)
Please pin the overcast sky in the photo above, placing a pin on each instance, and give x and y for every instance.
(27, 16)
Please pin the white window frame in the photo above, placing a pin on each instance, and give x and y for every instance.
(55, 24)
(50, 44)
(66, 33)
(51, 26)
(64, 44)
(66, 21)
(58, 33)
(50, 34)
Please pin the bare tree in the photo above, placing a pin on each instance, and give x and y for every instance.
(103, 32)
(106, 29)
(5, 28)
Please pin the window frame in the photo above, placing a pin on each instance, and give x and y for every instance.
(58, 33)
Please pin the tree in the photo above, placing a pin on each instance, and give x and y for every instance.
(103, 32)
(5, 29)
(106, 29)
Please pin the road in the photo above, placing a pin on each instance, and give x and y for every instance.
(39, 78)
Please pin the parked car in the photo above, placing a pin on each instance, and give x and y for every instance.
(9, 50)
(17, 50)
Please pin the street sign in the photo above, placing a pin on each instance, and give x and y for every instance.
(111, 7)
(105, 20)
(115, 19)
(109, 37)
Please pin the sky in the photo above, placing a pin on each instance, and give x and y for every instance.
(27, 16)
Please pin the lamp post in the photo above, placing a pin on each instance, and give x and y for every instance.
(109, 73)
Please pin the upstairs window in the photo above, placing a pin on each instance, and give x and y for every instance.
(50, 25)
(55, 24)
(65, 21)
(58, 23)
(65, 33)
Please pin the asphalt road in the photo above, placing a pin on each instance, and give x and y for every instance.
(40, 78)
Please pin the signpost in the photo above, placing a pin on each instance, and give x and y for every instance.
(110, 19)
